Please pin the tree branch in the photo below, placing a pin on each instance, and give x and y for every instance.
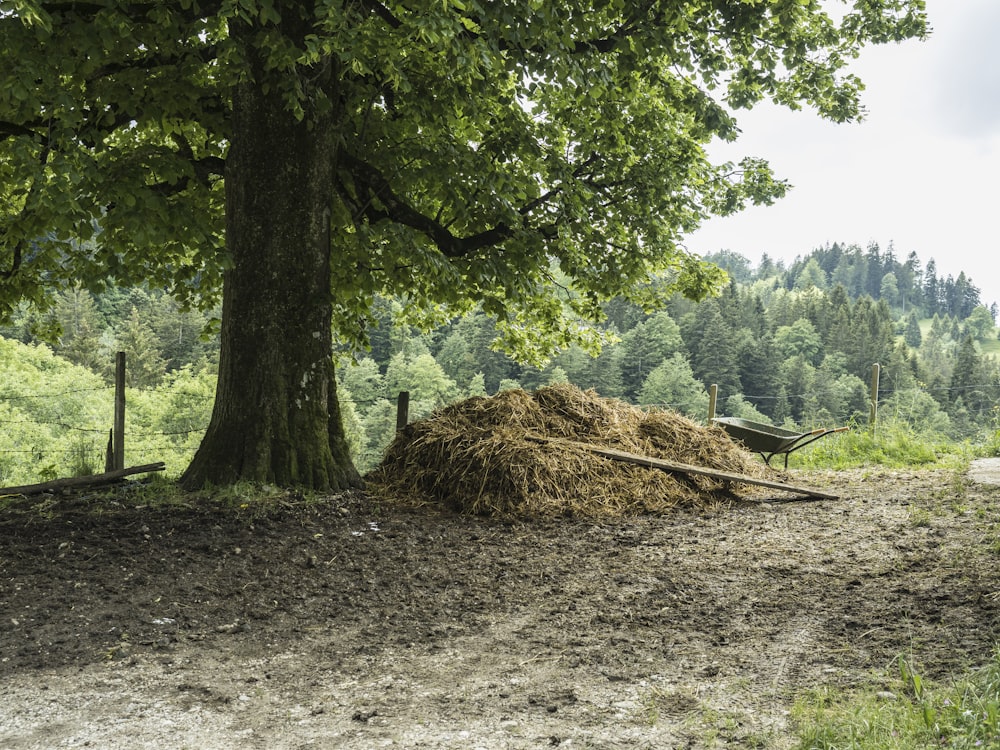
(373, 187)
(377, 187)
(14, 129)
(382, 12)
(15, 263)
(86, 11)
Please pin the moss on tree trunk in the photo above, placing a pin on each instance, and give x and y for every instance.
(276, 417)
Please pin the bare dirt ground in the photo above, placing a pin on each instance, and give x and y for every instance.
(342, 624)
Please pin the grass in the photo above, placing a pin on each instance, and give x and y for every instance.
(894, 445)
(908, 714)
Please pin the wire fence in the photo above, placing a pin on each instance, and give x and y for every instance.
(64, 430)
(98, 427)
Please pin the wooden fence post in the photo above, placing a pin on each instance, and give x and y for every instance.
(118, 431)
(873, 396)
(713, 394)
(402, 410)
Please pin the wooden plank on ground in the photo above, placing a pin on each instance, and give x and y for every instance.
(76, 482)
(659, 463)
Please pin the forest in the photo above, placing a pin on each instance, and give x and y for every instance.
(792, 345)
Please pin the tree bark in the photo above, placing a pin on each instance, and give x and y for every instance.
(276, 418)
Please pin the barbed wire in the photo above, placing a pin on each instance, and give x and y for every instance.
(11, 396)
(51, 423)
(166, 435)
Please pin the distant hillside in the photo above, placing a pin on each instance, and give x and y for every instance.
(903, 285)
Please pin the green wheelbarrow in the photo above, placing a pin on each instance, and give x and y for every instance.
(768, 440)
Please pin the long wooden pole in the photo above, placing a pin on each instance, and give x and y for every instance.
(659, 463)
(76, 482)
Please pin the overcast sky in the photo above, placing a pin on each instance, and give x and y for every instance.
(920, 172)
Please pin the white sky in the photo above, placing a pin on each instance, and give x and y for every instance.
(919, 172)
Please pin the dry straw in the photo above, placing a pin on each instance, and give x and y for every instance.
(484, 456)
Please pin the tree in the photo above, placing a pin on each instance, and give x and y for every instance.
(800, 339)
(800, 377)
(466, 350)
(602, 373)
(812, 276)
(979, 324)
(302, 157)
(477, 385)
(932, 290)
(714, 348)
(889, 289)
(672, 384)
(644, 347)
(180, 333)
(145, 366)
(80, 326)
(737, 266)
(365, 383)
(966, 385)
(423, 378)
(911, 334)
(759, 374)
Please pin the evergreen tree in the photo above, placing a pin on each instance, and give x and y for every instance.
(870, 337)
(423, 378)
(623, 314)
(181, 333)
(144, 367)
(737, 266)
(477, 386)
(80, 324)
(781, 412)
(901, 371)
(601, 373)
(760, 375)
(766, 268)
(912, 335)
(812, 276)
(713, 347)
(554, 375)
(874, 270)
(911, 280)
(932, 289)
(467, 348)
(936, 365)
(965, 297)
(645, 347)
(799, 378)
(966, 384)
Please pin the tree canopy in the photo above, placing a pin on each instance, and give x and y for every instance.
(309, 156)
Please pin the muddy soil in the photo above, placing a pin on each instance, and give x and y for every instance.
(346, 624)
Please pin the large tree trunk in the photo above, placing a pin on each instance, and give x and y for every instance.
(276, 418)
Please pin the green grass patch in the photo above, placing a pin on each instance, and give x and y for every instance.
(908, 714)
(894, 445)
(990, 345)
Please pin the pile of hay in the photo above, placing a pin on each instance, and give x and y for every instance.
(483, 456)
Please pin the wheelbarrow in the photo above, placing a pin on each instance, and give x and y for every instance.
(768, 440)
